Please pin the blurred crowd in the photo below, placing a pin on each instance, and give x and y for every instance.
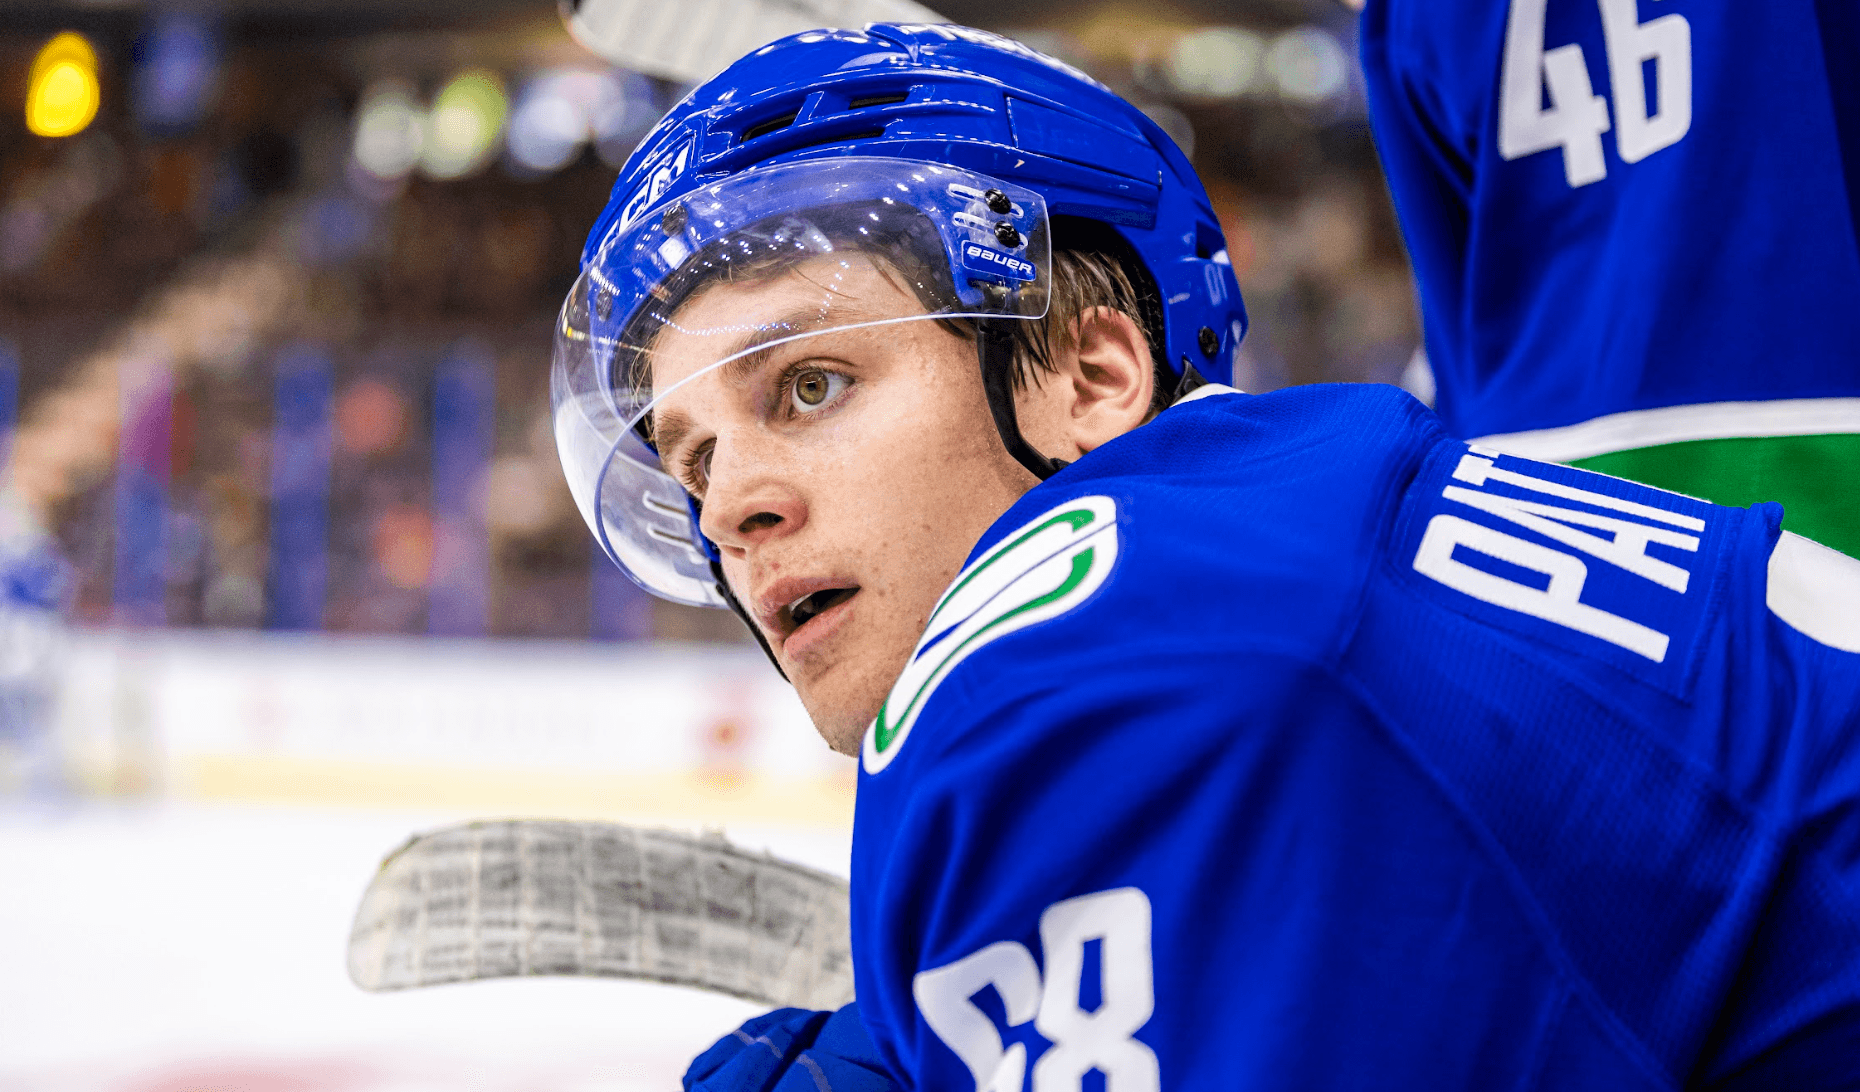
(262, 381)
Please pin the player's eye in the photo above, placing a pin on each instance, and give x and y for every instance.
(697, 469)
(813, 388)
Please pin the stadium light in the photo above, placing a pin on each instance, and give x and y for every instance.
(550, 122)
(562, 109)
(1308, 65)
(464, 124)
(63, 94)
(1215, 62)
(390, 131)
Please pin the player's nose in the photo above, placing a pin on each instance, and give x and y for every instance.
(748, 500)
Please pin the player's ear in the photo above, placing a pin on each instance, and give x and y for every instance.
(1110, 377)
(1099, 387)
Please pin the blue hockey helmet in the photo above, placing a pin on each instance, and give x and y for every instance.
(957, 157)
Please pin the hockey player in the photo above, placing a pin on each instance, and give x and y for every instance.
(1635, 240)
(1207, 740)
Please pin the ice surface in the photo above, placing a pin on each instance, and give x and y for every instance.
(189, 946)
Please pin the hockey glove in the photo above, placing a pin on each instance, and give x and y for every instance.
(792, 1050)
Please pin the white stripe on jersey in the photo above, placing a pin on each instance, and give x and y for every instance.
(1680, 424)
(1816, 590)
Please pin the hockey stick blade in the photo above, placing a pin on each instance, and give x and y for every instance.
(544, 897)
(688, 41)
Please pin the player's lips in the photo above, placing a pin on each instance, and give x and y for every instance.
(796, 613)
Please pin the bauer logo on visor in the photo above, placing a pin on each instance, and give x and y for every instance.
(990, 262)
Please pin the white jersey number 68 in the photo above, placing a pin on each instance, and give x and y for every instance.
(1102, 1039)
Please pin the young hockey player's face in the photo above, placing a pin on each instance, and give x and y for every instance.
(845, 476)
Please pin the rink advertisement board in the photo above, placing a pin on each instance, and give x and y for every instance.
(679, 734)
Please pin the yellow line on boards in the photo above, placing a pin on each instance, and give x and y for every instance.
(698, 797)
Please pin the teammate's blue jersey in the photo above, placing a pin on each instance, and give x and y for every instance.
(1618, 206)
(1288, 743)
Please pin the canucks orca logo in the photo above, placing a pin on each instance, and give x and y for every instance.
(1041, 571)
(989, 262)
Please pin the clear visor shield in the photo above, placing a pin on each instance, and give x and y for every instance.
(697, 299)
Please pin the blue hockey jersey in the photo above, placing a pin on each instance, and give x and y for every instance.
(1287, 743)
(1623, 205)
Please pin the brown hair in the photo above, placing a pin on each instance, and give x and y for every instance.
(1093, 266)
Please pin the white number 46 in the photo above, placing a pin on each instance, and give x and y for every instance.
(1578, 117)
(1101, 1039)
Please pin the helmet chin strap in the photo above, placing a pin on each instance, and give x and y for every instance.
(723, 586)
(736, 608)
(994, 346)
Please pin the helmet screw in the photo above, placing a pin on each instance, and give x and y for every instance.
(1210, 342)
(998, 202)
(604, 304)
(674, 220)
(1007, 233)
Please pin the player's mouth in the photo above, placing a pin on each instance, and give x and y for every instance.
(800, 614)
(809, 607)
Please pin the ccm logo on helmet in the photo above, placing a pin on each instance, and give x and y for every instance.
(657, 182)
(977, 258)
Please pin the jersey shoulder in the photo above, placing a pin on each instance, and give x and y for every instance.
(1578, 566)
(1235, 522)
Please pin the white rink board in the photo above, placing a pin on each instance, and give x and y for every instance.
(698, 733)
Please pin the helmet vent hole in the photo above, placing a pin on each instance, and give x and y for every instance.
(771, 125)
(835, 138)
(1207, 241)
(886, 99)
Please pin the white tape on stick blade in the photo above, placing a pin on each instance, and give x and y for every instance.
(692, 40)
(546, 897)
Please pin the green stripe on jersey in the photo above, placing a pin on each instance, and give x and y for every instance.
(1815, 478)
